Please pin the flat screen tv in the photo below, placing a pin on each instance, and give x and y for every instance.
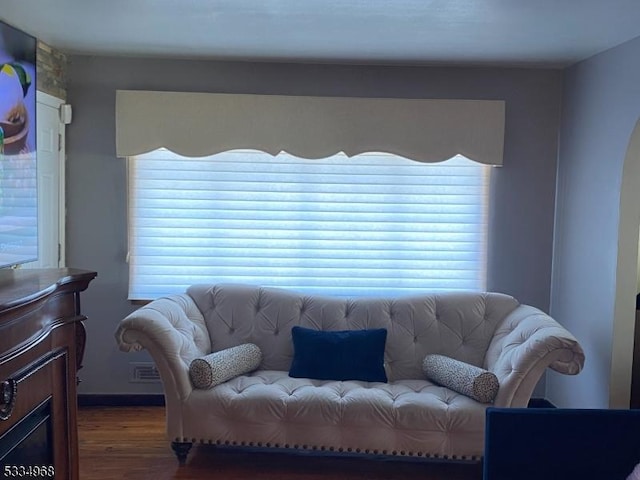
(18, 165)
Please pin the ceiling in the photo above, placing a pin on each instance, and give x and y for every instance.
(553, 33)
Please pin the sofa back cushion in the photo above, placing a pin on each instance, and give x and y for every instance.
(458, 325)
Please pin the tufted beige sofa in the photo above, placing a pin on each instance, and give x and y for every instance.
(408, 416)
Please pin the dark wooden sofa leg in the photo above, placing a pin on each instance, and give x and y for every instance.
(182, 450)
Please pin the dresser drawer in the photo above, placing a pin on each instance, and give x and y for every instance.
(24, 387)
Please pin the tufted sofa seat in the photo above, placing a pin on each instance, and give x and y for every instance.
(408, 416)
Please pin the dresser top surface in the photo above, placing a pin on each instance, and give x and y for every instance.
(19, 286)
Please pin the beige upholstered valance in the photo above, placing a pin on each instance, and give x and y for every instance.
(199, 124)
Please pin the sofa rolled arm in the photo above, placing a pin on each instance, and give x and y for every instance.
(523, 346)
(174, 332)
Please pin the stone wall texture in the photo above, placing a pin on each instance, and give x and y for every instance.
(51, 71)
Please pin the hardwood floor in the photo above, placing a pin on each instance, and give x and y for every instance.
(130, 443)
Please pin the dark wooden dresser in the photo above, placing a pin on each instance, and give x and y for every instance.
(42, 340)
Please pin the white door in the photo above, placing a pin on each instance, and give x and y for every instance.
(50, 148)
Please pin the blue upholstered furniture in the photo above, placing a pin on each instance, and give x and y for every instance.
(562, 444)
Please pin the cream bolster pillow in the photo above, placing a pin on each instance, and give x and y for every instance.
(218, 367)
(474, 382)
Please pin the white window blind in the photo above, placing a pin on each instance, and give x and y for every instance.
(373, 224)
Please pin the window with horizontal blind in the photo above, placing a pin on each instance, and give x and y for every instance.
(373, 224)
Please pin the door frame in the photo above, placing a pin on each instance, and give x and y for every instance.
(55, 102)
(622, 351)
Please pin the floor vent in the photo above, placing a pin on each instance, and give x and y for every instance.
(143, 372)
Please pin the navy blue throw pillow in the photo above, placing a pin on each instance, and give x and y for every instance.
(339, 355)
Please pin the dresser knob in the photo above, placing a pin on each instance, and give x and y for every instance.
(8, 394)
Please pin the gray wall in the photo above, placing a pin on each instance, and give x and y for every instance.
(523, 191)
(601, 104)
